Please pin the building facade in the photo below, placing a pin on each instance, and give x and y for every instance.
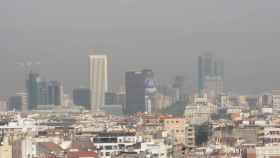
(32, 85)
(209, 67)
(81, 97)
(55, 93)
(98, 80)
(175, 127)
(140, 87)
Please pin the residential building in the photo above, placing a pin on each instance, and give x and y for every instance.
(5, 149)
(190, 137)
(24, 148)
(199, 110)
(175, 127)
(268, 151)
(276, 98)
(112, 144)
(3, 105)
(271, 136)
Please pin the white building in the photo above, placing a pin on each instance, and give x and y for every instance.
(271, 136)
(153, 149)
(28, 148)
(98, 80)
(111, 144)
(24, 99)
(199, 111)
(3, 105)
(267, 151)
(276, 98)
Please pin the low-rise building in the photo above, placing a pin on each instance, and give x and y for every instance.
(190, 137)
(111, 144)
(175, 127)
(268, 152)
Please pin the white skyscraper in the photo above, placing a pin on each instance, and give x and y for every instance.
(98, 80)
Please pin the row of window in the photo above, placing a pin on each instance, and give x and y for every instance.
(172, 122)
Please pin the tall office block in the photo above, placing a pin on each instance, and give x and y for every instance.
(81, 96)
(209, 67)
(140, 85)
(178, 85)
(24, 100)
(43, 93)
(55, 93)
(32, 84)
(98, 80)
(15, 103)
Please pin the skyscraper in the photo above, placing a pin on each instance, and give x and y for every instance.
(19, 102)
(98, 80)
(43, 93)
(55, 93)
(209, 67)
(140, 85)
(81, 96)
(178, 85)
(32, 85)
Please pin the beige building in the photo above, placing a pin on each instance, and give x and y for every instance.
(160, 102)
(6, 150)
(190, 137)
(268, 152)
(276, 98)
(98, 80)
(3, 105)
(175, 128)
(200, 110)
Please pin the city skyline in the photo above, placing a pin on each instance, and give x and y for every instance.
(191, 81)
(139, 79)
(244, 34)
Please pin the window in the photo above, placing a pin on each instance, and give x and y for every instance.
(109, 147)
(108, 154)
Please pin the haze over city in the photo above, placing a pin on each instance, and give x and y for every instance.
(166, 36)
(139, 79)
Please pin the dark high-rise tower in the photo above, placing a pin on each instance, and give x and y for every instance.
(81, 96)
(32, 85)
(139, 85)
(43, 93)
(179, 85)
(209, 67)
(55, 93)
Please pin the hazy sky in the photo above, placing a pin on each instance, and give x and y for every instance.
(164, 35)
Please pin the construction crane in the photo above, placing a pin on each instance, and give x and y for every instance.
(27, 66)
